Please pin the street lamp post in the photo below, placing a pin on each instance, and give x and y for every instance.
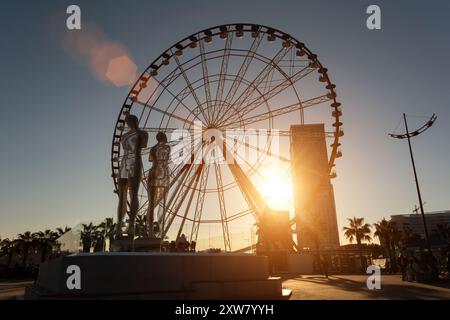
(408, 135)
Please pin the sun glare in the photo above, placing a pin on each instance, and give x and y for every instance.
(277, 192)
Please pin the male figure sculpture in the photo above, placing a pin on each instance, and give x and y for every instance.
(130, 173)
(158, 178)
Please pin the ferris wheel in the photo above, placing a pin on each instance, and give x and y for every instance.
(229, 88)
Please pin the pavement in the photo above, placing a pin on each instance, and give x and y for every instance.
(316, 287)
(13, 289)
(354, 287)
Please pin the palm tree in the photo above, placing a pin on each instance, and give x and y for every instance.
(359, 231)
(142, 229)
(45, 241)
(104, 230)
(7, 248)
(383, 232)
(24, 242)
(390, 237)
(86, 236)
(61, 231)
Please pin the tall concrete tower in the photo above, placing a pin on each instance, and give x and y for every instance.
(313, 192)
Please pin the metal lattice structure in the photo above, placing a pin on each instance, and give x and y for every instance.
(236, 76)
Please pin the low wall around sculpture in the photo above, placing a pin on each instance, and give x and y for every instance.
(156, 275)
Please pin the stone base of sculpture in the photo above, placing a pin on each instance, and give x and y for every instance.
(136, 275)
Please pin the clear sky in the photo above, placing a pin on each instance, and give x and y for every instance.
(57, 119)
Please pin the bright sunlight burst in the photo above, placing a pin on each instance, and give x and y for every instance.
(277, 191)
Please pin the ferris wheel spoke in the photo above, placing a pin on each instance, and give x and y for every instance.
(179, 198)
(143, 206)
(250, 90)
(231, 110)
(177, 184)
(170, 115)
(191, 88)
(251, 195)
(222, 208)
(175, 194)
(199, 204)
(179, 192)
(180, 101)
(184, 164)
(260, 100)
(266, 152)
(237, 81)
(262, 76)
(240, 214)
(260, 175)
(205, 79)
(178, 174)
(223, 73)
(244, 67)
(286, 109)
(188, 205)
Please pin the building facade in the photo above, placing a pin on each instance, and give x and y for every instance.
(316, 223)
(415, 222)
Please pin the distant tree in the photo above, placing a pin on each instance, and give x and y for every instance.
(61, 231)
(45, 241)
(141, 227)
(24, 243)
(87, 235)
(105, 230)
(383, 233)
(359, 231)
(7, 248)
(389, 236)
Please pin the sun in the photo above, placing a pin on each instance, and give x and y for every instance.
(277, 192)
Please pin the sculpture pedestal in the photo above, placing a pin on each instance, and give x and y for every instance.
(134, 275)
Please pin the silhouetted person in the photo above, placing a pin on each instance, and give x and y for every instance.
(403, 265)
(388, 266)
(325, 265)
(448, 264)
(182, 243)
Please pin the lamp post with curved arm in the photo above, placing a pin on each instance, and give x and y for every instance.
(408, 135)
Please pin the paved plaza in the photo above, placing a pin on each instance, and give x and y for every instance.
(353, 287)
(13, 289)
(313, 287)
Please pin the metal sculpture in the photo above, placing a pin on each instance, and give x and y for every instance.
(130, 174)
(158, 179)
